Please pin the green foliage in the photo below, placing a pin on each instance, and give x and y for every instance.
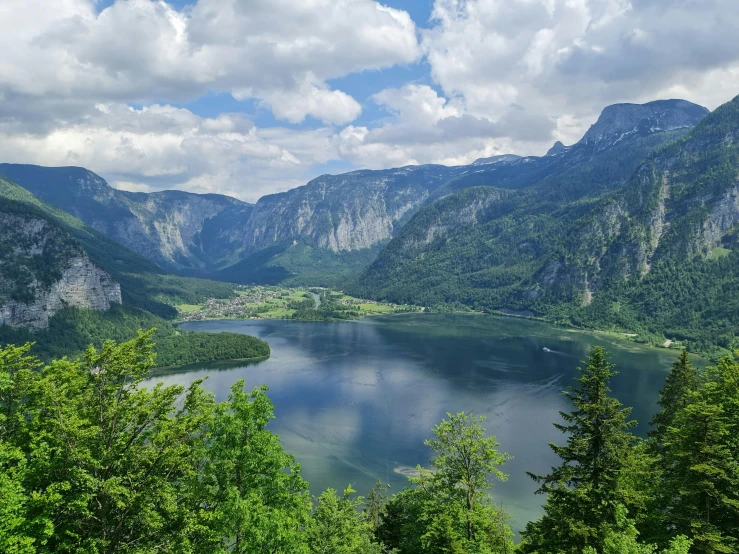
(587, 246)
(449, 509)
(93, 462)
(701, 467)
(583, 494)
(622, 539)
(338, 528)
(681, 383)
(189, 347)
(71, 330)
(299, 264)
(255, 497)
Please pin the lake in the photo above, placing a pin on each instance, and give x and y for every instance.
(355, 400)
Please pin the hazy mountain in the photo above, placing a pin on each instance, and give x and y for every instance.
(175, 229)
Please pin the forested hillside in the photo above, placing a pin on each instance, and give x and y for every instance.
(655, 256)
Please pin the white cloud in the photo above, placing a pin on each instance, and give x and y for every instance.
(160, 147)
(567, 59)
(144, 50)
(505, 76)
(427, 128)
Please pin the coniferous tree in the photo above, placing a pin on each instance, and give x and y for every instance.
(701, 479)
(680, 384)
(583, 493)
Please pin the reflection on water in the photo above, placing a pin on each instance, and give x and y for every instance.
(355, 400)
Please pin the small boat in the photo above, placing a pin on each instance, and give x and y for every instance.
(546, 349)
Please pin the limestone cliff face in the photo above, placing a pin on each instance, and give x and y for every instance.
(343, 212)
(42, 270)
(682, 203)
(620, 121)
(181, 229)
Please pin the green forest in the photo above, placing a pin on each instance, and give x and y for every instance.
(190, 347)
(93, 461)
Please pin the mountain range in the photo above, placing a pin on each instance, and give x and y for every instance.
(583, 235)
(334, 225)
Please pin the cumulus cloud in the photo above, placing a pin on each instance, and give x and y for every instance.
(568, 59)
(504, 76)
(427, 128)
(279, 51)
(160, 147)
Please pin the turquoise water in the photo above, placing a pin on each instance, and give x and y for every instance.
(355, 400)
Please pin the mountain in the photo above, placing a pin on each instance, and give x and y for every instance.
(175, 229)
(655, 255)
(64, 285)
(618, 126)
(329, 229)
(334, 226)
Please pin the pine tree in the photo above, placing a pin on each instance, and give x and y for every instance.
(680, 386)
(701, 480)
(674, 396)
(583, 492)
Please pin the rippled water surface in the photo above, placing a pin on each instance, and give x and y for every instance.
(355, 400)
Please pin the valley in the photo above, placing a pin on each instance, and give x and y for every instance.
(585, 236)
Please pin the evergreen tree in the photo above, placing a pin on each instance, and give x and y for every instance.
(584, 492)
(701, 480)
(680, 384)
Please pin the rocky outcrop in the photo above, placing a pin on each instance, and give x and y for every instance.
(619, 121)
(42, 271)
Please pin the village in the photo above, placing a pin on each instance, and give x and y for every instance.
(276, 302)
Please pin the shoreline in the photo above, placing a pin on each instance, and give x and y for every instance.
(618, 335)
(255, 359)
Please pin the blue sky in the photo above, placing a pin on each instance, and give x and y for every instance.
(250, 97)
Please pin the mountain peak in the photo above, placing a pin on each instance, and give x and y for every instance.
(496, 159)
(619, 121)
(558, 148)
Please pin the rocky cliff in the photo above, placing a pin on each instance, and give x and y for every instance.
(43, 270)
(346, 212)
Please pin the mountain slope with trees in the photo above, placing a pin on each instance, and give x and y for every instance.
(64, 285)
(334, 226)
(656, 256)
